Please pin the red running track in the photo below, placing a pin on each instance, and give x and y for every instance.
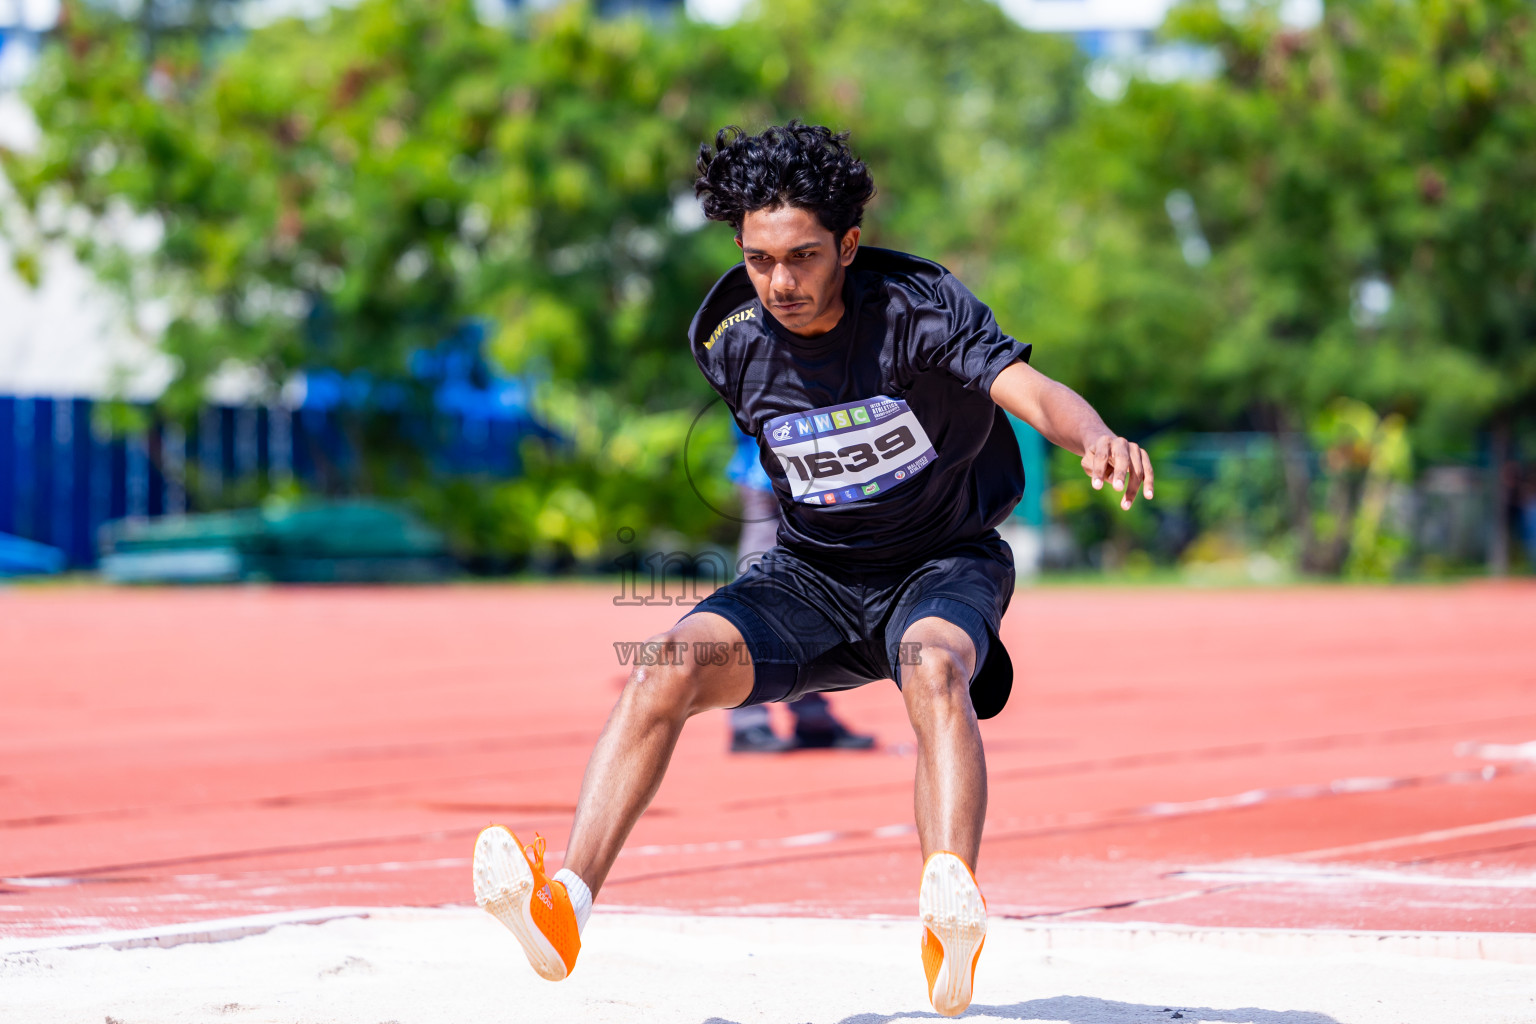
(1319, 757)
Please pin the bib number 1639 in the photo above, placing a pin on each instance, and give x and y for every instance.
(860, 456)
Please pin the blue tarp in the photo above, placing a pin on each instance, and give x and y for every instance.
(19, 557)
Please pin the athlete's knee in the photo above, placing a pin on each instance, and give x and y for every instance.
(665, 679)
(939, 681)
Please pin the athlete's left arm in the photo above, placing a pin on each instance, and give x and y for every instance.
(1065, 419)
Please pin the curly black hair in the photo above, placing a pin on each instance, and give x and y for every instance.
(804, 165)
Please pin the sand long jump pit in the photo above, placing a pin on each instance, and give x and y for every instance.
(452, 965)
(1293, 806)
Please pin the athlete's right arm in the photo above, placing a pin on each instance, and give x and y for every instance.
(1065, 419)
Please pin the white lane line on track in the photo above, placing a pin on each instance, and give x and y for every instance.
(1146, 901)
(1314, 874)
(822, 838)
(1438, 835)
(1129, 816)
(1499, 751)
(219, 930)
(1311, 791)
(332, 870)
(1164, 809)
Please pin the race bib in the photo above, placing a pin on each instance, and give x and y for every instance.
(849, 452)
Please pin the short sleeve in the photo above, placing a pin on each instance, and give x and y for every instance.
(960, 335)
(709, 366)
(723, 374)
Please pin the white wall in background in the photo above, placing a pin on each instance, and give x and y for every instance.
(69, 337)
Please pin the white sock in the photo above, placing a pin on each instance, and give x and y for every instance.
(581, 896)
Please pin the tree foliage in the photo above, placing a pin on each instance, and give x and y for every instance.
(343, 192)
(1340, 213)
(1381, 153)
(1362, 195)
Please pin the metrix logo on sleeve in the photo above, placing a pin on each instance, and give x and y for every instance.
(849, 452)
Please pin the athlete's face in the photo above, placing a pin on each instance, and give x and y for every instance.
(797, 267)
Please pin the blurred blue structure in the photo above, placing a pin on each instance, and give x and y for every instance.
(59, 482)
(745, 468)
(467, 417)
(1033, 453)
(482, 416)
(20, 557)
(62, 478)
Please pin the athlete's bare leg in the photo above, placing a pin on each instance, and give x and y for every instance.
(951, 789)
(631, 756)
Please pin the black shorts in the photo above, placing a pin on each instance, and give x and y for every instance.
(813, 626)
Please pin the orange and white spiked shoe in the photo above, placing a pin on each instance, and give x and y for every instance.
(954, 928)
(511, 886)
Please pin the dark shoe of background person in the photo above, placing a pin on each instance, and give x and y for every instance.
(829, 734)
(759, 739)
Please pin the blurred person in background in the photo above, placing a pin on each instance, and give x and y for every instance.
(751, 729)
(1527, 512)
(1515, 497)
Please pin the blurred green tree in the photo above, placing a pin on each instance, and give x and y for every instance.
(1353, 205)
(342, 192)
(1340, 212)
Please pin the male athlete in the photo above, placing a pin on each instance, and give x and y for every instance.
(876, 386)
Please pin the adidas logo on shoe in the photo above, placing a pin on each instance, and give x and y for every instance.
(508, 875)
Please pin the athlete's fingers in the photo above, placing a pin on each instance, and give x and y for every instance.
(1132, 476)
(1146, 473)
(1120, 452)
(1095, 463)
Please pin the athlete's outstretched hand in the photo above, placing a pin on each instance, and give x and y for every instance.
(1123, 463)
(1064, 419)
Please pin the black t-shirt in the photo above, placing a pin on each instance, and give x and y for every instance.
(834, 415)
